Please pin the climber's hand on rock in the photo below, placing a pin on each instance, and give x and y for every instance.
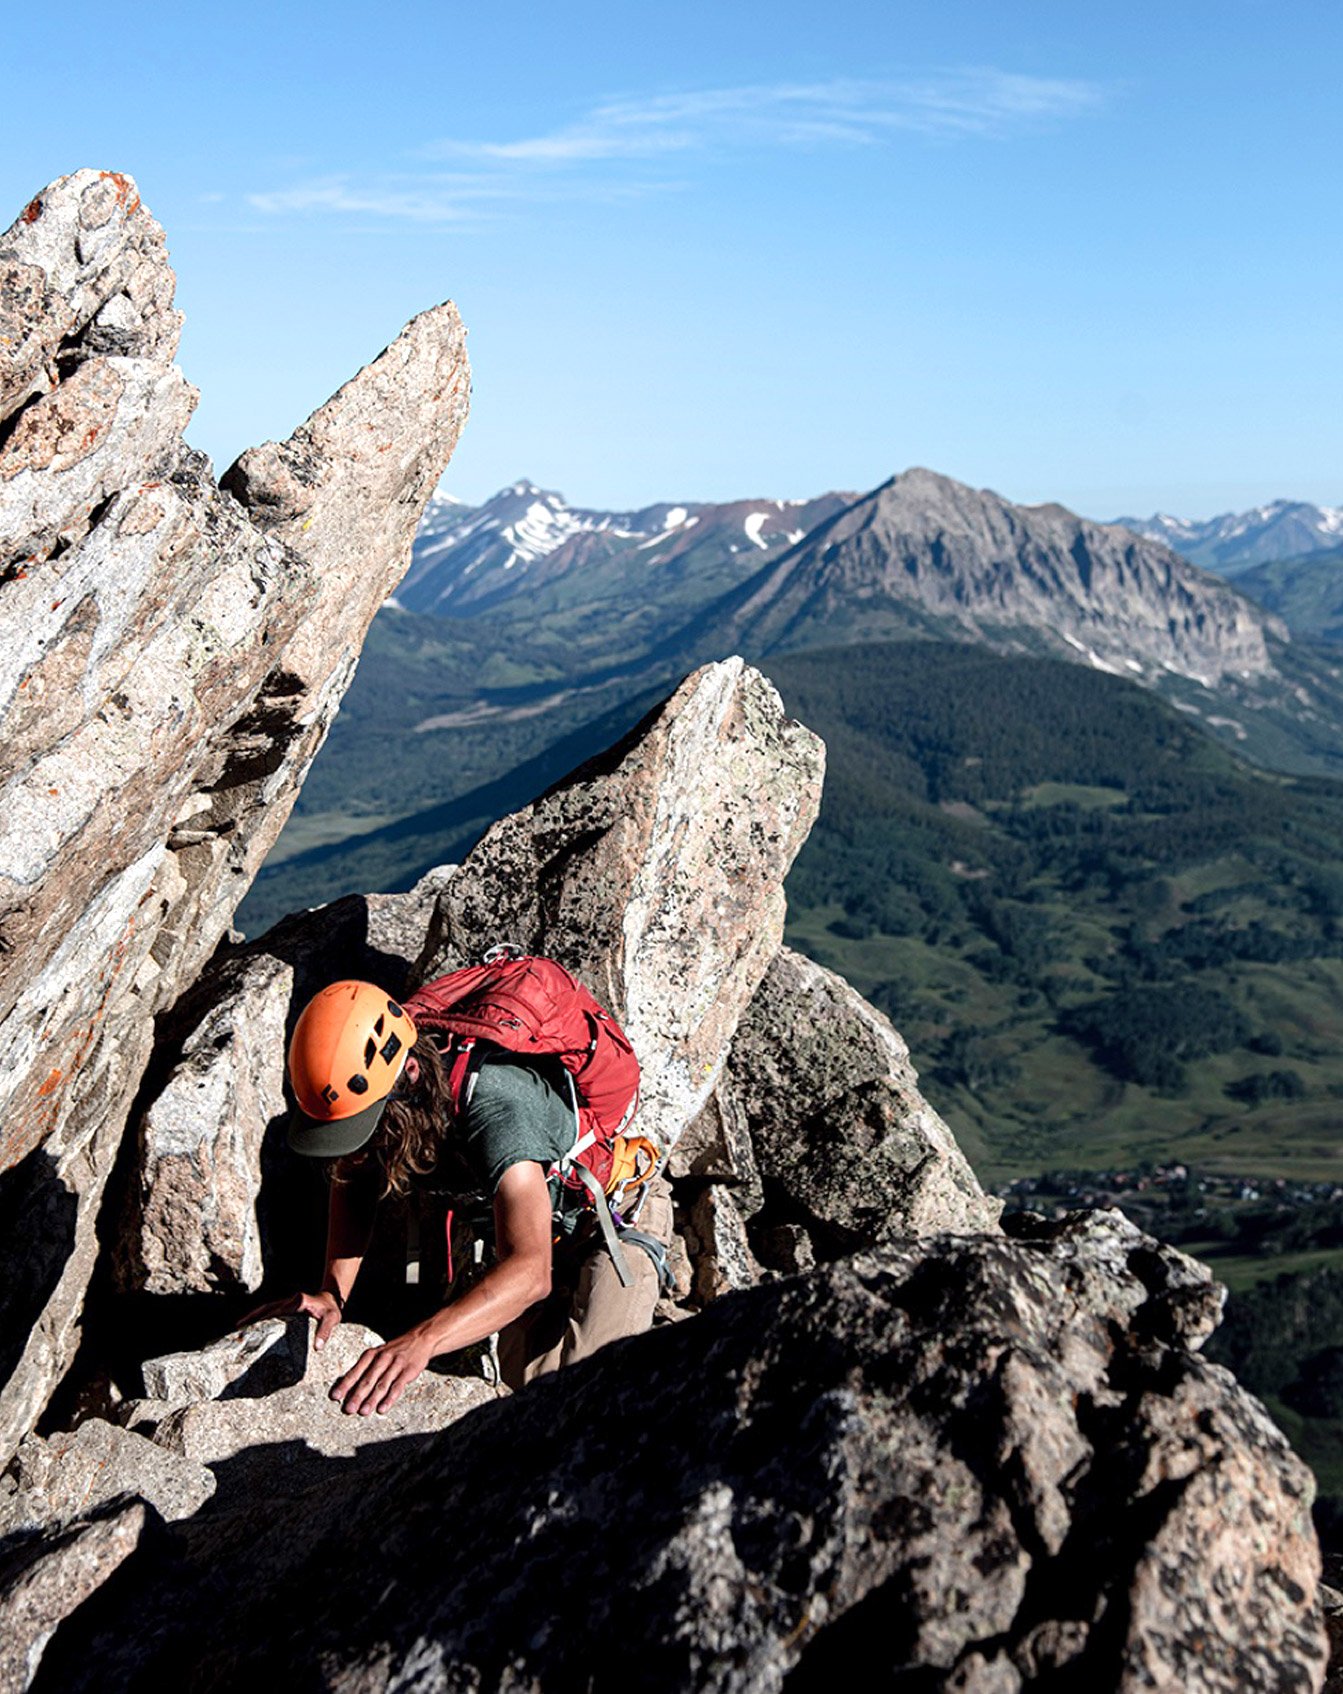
(382, 1375)
(323, 1307)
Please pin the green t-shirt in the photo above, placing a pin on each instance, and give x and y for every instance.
(519, 1111)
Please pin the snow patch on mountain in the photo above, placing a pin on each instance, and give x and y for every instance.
(467, 559)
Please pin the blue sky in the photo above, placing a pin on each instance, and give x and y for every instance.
(1068, 252)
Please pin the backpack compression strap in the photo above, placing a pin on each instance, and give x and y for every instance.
(605, 1223)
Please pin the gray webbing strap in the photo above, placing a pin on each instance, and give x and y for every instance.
(604, 1223)
(657, 1252)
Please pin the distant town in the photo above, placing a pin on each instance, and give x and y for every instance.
(1252, 1214)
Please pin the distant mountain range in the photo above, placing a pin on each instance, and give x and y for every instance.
(1237, 541)
(527, 630)
(921, 556)
(527, 539)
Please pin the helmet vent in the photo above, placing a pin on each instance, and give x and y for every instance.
(391, 1047)
(378, 1027)
(370, 1052)
(358, 1085)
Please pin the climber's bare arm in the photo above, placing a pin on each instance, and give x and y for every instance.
(518, 1280)
(349, 1223)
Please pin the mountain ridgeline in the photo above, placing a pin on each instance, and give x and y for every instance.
(527, 630)
(469, 562)
(1004, 847)
(920, 556)
(925, 555)
(1234, 542)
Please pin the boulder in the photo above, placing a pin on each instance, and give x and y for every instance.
(200, 1146)
(655, 873)
(848, 1145)
(173, 656)
(717, 1146)
(972, 1462)
(256, 1405)
(64, 1477)
(785, 1248)
(44, 1579)
(717, 1245)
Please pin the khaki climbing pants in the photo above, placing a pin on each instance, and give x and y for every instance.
(587, 1307)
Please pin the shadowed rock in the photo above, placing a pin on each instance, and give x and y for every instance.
(847, 1142)
(961, 1464)
(46, 1578)
(172, 658)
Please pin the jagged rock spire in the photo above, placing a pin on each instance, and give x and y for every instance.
(172, 658)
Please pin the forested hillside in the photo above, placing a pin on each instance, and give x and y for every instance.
(1104, 937)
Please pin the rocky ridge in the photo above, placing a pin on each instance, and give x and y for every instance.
(968, 1464)
(978, 1463)
(179, 651)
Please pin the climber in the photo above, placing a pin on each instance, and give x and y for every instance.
(395, 1094)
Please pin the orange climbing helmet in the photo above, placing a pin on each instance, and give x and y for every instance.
(346, 1055)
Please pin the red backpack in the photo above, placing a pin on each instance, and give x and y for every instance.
(533, 1006)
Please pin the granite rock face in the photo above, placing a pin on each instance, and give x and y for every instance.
(850, 1147)
(655, 873)
(260, 1399)
(963, 1463)
(51, 1482)
(173, 656)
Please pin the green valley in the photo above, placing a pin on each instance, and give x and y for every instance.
(1104, 937)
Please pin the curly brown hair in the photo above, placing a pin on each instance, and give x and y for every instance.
(414, 1135)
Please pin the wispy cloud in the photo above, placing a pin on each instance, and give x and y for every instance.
(428, 198)
(962, 103)
(615, 148)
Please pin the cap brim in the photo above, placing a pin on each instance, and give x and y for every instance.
(319, 1138)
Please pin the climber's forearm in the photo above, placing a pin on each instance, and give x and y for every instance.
(502, 1295)
(519, 1279)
